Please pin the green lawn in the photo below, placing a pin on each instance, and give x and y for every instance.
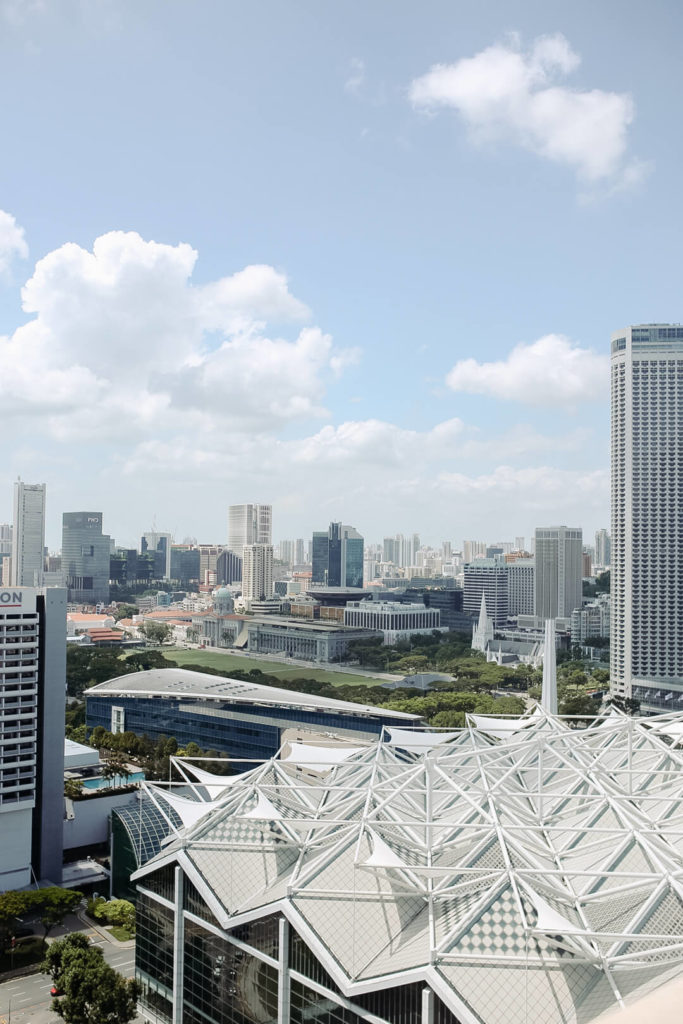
(229, 662)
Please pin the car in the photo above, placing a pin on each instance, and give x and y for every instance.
(55, 991)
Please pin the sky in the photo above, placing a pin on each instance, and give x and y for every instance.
(358, 260)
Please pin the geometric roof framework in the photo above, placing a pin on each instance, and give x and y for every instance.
(539, 870)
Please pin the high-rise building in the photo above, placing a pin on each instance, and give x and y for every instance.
(472, 549)
(249, 524)
(5, 540)
(85, 558)
(519, 543)
(559, 568)
(647, 498)
(185, 564)
(228, 567)
(28, 535)
(521, 586)
(257, 572)
(160, 545)
(602, 549)
(487, 576)
(338, 557)
(32, 688)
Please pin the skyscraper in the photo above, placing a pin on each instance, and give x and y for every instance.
(647, 499)
(559, 568)
(257, 572)
(602, 548)
(160, 545)
(85, 557)
(338, 557)
(249, 524)
(28, 536)
(32, 688)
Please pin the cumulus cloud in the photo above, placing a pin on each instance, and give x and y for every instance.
(549, 371)
(122, 341)
(505, 93)
(12, 241)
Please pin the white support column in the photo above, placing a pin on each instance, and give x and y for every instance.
(427, 1006)
(283, 973)
(178, 948)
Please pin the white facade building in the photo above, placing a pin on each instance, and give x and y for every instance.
(249, 524)
(521, 587)
(559, 571)
(28, 535)
(396, 621)
(591, 620)
(487, 576)
(32, 697)
(257, 572)
(647, 498)
(603, 549)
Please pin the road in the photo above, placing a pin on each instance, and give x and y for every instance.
(27, 1000)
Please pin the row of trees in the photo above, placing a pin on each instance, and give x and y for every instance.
(51, 905)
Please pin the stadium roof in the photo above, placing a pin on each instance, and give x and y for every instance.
(525, 871)
(179, 683)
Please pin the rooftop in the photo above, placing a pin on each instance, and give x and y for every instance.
(179, 683)
(522, 868)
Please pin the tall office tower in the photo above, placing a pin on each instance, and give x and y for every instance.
(521, 586)
(338, 557)
(257, 572)
(389, 550)
(602, 548)
(228, 567)
(446, 550)
(519, 543)
(160, 545)
(488, 576)
(32, 688)
(559, 568)
(249, 524)
(85, 558)
(28, 535)
(472, 549)
(185, 561)
(286, 551)
(647, 498)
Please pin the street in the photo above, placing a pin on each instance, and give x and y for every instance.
(27, 1000)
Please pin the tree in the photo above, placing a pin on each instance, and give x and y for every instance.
(54, 904)
(126, 611)
(629, 705)
(115, 768)
(12, 905)
(118, 912)
(143, 661)
(156, 632)
(73, 789)
(93, 992)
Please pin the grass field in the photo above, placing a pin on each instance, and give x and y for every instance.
(230, 662)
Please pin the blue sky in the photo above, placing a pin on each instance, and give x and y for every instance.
(361, 260)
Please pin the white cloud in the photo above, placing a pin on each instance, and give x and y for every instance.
(356, 80)
(12, 241)
(550, 371)
(505, 93)
(122, 342)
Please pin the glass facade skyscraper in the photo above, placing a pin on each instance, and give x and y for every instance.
(85, 557)
(647, 503)
(28, 536)
(337, 557)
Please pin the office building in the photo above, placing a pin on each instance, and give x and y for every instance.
(472, 549)
(242, 720)
(32, 691)
(647, 498)
(559, 569)
(257, 572)
(521, 586)
(488, 576)
(395, 620)
(338, 557)
(28, 535)
(249, 524)
(602, 549)
(159, 544)
(5, 540)
(228, 567)
(460, 880)
(85, 558)
(185, 561)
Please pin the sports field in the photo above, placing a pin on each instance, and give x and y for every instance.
(229, 662)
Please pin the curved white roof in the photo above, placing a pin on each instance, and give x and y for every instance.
(535, 876)
(179, 683)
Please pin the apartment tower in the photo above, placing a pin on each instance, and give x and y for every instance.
(28, 535)
(647, 499)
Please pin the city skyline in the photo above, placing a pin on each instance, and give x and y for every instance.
(399, 294)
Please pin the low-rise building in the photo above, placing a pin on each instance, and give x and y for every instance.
(593, 619)
(304, 639)
(396, 621)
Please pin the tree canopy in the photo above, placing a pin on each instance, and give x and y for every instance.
(92, 991)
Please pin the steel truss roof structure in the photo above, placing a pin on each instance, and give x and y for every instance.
(525, 869)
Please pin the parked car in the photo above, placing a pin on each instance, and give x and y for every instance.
(54, 991)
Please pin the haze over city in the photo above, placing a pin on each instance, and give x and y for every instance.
(362, 265)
